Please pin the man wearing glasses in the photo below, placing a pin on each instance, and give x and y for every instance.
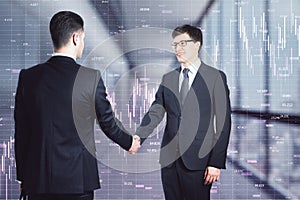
(195, 97)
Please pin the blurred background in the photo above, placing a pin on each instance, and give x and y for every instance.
(255, 42)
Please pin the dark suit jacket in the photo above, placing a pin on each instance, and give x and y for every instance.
(197, 130)
(55, 110)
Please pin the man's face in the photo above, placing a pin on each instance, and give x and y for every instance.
(185, 49)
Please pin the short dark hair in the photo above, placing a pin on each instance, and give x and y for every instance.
(194, 32)
(62, 25)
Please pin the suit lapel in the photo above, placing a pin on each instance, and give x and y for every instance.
(172, 83)
(176, 85)
(198, 80)
(197, 84)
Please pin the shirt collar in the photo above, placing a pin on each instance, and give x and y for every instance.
(64, 54)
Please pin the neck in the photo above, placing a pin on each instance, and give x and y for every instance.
(190, 62)
(67, 51)
(64, 52)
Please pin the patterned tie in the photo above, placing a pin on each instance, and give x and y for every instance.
(185, 85)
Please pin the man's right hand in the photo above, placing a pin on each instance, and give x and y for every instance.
(136, 144)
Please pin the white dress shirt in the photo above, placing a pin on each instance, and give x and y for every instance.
(193, 69)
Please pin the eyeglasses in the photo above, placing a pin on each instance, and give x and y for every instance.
(182, 43)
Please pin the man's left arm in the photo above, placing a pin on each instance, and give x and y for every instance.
(222, 112)
(21, 131)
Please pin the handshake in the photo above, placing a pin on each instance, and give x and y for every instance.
(136, 144)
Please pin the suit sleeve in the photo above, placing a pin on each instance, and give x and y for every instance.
(222, 111)
(21, 129)
(111, 127)
(153, 117)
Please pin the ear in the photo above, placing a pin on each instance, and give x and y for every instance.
(75, 38)
(198, 44)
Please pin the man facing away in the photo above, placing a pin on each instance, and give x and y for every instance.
(195, 97)
(56, 105)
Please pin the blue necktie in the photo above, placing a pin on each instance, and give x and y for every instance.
(185, 85)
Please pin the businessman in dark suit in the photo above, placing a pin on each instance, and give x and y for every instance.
(56, 105)
(195, 97)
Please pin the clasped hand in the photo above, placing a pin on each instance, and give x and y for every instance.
(136, 144)
(212, 174)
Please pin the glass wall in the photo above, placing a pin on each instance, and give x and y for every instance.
(257, 44)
